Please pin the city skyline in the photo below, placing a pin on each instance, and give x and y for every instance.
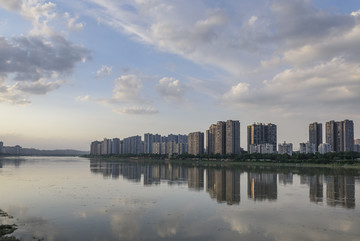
(73, 72)
(224, 138)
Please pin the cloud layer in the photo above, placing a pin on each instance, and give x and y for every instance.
(38, 62)
(286, 54)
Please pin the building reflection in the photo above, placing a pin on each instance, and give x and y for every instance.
(224, 185)
(262, 186)
(196, 178)
(130, 171)
(286, 178)
(11, 162)
(152, 174)
(171, 173)
(316, 185)
(340, 190)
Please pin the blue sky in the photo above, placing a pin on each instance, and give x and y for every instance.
(75, 71)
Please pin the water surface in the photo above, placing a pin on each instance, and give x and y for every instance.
(69, 198)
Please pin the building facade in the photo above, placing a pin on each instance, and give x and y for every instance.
(315, 134)
(223, 138)
(196, 143)
(232, 137)
(340, 135)
(262, 134)
(95, 148)
(210, 140)
(220, 138)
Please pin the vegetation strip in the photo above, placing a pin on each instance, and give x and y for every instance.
(6, 229)
(333, 159)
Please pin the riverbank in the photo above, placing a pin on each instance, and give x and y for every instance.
(7, 229)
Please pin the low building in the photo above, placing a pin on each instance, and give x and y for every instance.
(324, 148)
(357, 147)
(307, 147)
(261, 148)
(285, 148)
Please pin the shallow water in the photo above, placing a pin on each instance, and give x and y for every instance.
(70, 198)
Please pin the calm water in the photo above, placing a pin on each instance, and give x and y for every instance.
(69, 198)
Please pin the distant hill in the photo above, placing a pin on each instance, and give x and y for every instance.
(19, 151)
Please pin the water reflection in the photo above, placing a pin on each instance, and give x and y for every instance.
(316, 184)
(340, 190)
(286, 178)
(11, 161)
(223, 184)
(60, 199)
(262, 186)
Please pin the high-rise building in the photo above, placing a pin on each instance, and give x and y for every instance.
(340, 135)
(220, 138)
(164, 148)
(95, 148)
(210, 140)
(115, 146)
(331, 134)
(232, 137)
(223, 138)
(148, 143)
(315, 134)
(348, 135)
(106, 147)
(133, 145)
(262, 134)
(196, 143)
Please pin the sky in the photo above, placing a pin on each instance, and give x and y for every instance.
(72, 72)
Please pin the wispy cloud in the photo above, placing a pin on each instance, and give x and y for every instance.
(137, 110)
(72, 23)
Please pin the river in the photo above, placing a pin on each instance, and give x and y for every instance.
(72, 198)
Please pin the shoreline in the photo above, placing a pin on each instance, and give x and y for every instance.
(7, 229)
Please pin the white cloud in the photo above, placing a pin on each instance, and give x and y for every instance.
(72, 23)
(252, 20)
(356, 13)
(238, 91)
(104, 71)
(171, 89)
(9, 94)
(36, 63)
(127, 88)
(335, 84)
(83, 98)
